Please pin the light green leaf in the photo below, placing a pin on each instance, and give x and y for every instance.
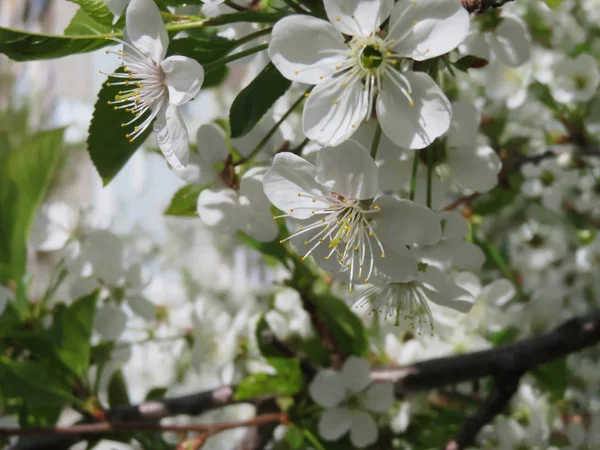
(96, 10)
(553, 377)
(83, 24)
(24, 180)
(253, 102)
(288, 381)
(184, 201)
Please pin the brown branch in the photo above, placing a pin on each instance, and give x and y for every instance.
(87, 429)
(481, 6)
(308, 369)
(505, 364)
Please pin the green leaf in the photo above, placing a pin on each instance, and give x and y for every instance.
(96, 10)
(256, 99)
(553, 377)
(184, 201)
(10, 321)
(499, 197)
(156, 393)
(294, 437)
(505, 336)
(345, 326)
(108, 146)
(83, 24)
(33, 383)
(288, 381)
(24, 180)
(470, 62)
(553, 3)
(23, 46)
(117, 390)
(21, 301)
(203, 49)
(71, 333)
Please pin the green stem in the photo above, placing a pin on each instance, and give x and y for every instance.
(297, 150)
(430, 156)
(376, 140)
(252, 36)
(413, 179)
(235, 56)
(273, 130)
(225, 19)
(295, 6)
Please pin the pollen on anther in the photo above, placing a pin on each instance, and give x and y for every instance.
(344, 84)
(377, 207)
(291, 209)
(299, 194)
(305, 242)
(314, 200)
(338, 18)
(383, 255)
(335, 102)
(307, 95)
(274, 217)
(296, 72)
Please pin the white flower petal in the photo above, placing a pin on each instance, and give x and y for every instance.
(474, 167)
(210, 141)
(499, 293)
(356, 373)
(363, 431)
(146, 30)
(469, 281)
(399, 265)
(197, 171)
(348, 169)
(184, 77)
(334, 423)
(141, 306)
(358, 17)
(440, 289)
(117, 7)
(327, 388)
(306, 49)
(289, 176)
(464, 125)
(257, 219)
(511, 43)
(403, 223)
(425, 29)
(379, 397)
(220, 209)
(416, 126)
(334, 110)
(172, 137)
(110, 322)
(454, 224)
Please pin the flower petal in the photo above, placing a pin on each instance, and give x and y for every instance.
(257, 219)
(289, 176)
(211, 144)
(146, 30)
(464, 124)
(454, 224)
(356, 373)
(172, 136)
(440, 289)
(327, 388)
(511, 43)
(399, 265)
(348, 169)
(363, 431)
(425, 29)
(475, 167)
(335, 423)
(379, 397)
(405, 223)
(220, 209)
(110, 322)
(141, 306)
(117, 7)
(306, 49)
(358, 17)
(184, 77)
(334, 110)
(416, 126)
(197, 171)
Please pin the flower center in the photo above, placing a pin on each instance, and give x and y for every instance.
(345, 226)
(370, 58)
(547, 178)
(580, 82)
(370, 55)
(145, 88)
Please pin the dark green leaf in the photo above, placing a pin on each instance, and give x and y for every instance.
(294, 438)
(71, 333)
(21, 301)
(499, 197)
(203, 49)
(470, 62)
(24, 180)
(117, 390)
(24, 46)
(553, 377)
(184, 201)
(288, 381)
(345, 326)
(156, 393)
(33, 383)
(256, 99)
(107, 143)
(10, 321)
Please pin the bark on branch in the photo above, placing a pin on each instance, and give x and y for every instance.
(481, 6)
